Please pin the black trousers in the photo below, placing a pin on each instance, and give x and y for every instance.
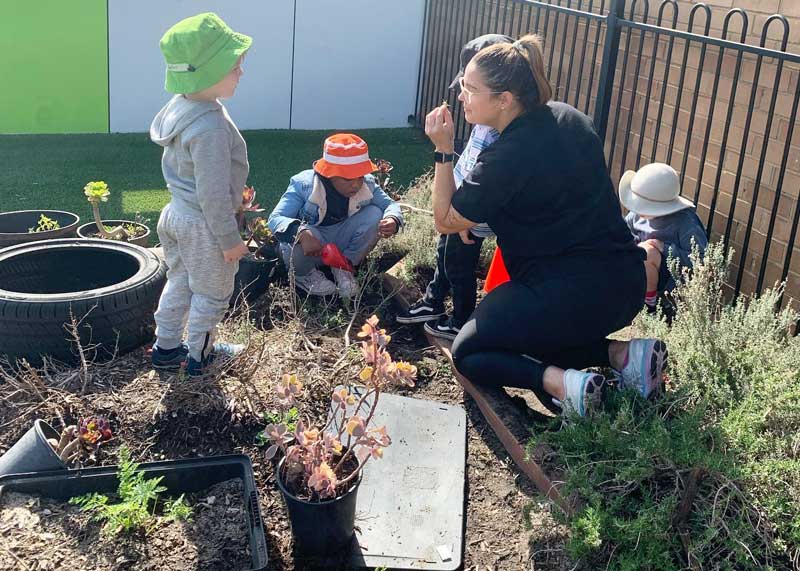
(519, 329)
(456, 263)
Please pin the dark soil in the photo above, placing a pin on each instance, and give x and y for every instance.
(50, 534)
(166, 416)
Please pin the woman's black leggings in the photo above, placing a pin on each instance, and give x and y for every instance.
(518, 330)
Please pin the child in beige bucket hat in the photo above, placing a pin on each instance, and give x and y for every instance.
(662, 222)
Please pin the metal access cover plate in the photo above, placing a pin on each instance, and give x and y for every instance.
(410, 507)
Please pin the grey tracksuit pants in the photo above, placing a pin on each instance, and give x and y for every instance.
(355, 237)
(199, 282)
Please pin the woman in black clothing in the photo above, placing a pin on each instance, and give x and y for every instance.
(576, 274)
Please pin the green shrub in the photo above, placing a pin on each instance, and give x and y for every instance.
(727, 428)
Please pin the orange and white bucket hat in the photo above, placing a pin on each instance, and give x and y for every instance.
(345, 155)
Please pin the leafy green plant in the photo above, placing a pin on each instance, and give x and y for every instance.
(44, 224)
(177, 510)
(708, 476)
(137, 494)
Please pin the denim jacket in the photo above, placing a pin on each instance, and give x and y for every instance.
(305, 201)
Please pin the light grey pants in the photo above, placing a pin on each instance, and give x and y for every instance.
(355, 237)
(199, 282)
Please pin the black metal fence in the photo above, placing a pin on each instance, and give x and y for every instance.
(674, 82)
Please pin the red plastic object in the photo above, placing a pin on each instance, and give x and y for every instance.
(498, 274)
(332, 256)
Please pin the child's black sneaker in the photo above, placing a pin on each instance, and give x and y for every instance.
(443, 328)
(420, 312)
(195, 368)
(169, 360)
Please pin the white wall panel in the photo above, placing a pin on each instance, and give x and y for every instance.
(355, 63)
(136, 66)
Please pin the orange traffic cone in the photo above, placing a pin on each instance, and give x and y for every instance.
(497, 272)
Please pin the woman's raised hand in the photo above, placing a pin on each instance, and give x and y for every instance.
(439, 128)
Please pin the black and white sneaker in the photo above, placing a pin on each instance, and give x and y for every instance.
(443, 328)
(420, 312)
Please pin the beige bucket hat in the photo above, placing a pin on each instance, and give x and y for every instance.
(653, 190)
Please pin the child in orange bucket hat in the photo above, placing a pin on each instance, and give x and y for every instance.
(339, 202)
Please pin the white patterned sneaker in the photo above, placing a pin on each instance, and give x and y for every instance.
(584, 391)
(345, 282)
(644, 371)
(315, 283)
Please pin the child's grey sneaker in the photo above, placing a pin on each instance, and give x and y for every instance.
(644, 371)
(169, 360)
(421, 312)
(345, 282)
(584, 391)
(195, 368)
(443, 328)
(315, 283)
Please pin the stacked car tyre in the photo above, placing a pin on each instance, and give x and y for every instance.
(109, 289)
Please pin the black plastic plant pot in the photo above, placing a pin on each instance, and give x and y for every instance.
(14, 226)
(89, 230)
(253, 278)
(180, 476)
(32, 452)
(321, 529)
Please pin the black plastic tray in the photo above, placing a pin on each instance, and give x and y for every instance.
(180, 476)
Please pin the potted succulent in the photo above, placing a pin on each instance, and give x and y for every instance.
(256, 268)
(22, 226)
(133, 231)
(43, 448)
(320, 469)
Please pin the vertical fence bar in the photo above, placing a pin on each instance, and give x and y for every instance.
(784, 162)
(552, 41)
(667, 64)
(422, 49)
(726, 132)
(696, 88)
(575, 25)
(607, 72)
(763, 158)
(632, 103)
(623, 79)
(650, 76)
(583, 58)
(594, 60)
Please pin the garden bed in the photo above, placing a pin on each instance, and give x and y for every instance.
(164, 417)
(50, 534)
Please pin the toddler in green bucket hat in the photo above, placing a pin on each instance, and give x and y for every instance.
(205, 167)
(200, 51)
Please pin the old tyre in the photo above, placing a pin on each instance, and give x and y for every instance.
(111, 288)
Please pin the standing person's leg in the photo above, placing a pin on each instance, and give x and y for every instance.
(173, 306)
(211, 280)
(459, 261)
(431, 306)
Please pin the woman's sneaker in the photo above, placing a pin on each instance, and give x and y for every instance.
(315, 283)
(644, 370)
(443, 328)
(169, 360)
(583, 391)
(420, 312)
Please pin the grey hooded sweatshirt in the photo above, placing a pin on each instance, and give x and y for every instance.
(204, 163)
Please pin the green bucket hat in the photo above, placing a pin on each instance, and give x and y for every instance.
(200, 51)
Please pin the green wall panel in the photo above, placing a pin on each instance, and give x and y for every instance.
(54, 66)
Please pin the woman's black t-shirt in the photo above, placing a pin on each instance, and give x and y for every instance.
(544, 188)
